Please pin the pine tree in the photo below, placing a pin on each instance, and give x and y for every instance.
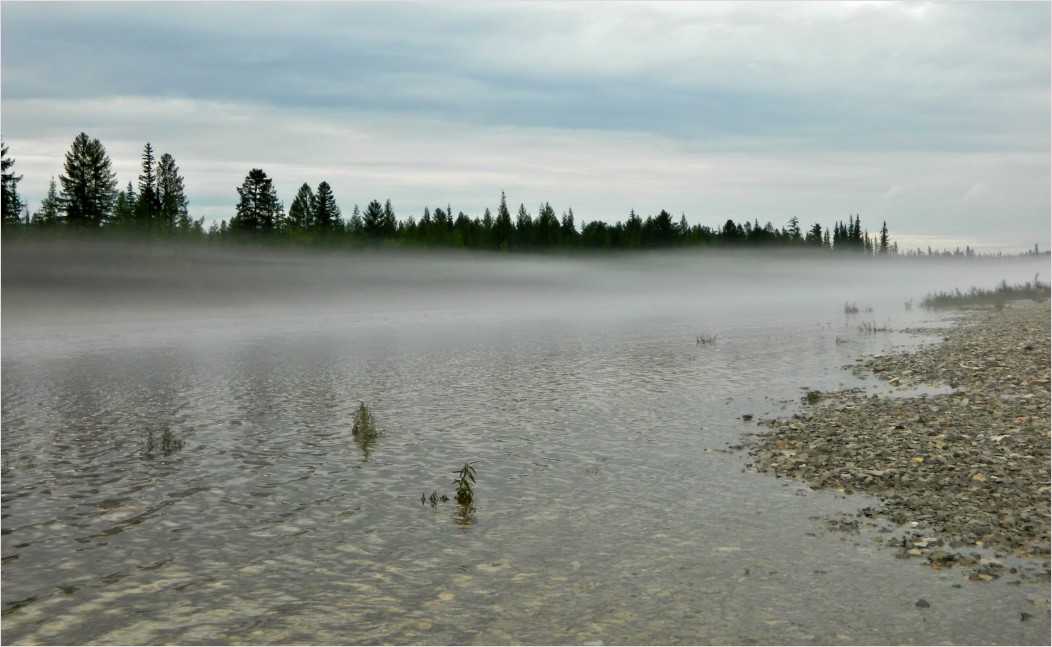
(258, 209)
(173, 212)
(793, 231)
(303, 210)
(814, 235)
(89, 185)
(327, 212)
(11, 202)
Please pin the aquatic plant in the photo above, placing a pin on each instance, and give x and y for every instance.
(465, 479)
(872, 328)
(364, 423)
(850, 308)
(975, 297)
(166, 444)
(704, 340)
(364, 430)
(813, 397)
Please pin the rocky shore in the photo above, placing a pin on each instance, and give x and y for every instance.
(963, 473)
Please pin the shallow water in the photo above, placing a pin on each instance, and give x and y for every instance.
(608, 507)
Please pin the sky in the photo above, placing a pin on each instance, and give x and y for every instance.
(932, 117)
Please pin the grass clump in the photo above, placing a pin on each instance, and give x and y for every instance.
(872, 328)
(465, 479)
(813, 397)
(163, 444)
(979, 297)
(850, 308)
(704, 340)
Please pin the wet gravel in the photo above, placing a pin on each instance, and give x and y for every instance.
(962, 476)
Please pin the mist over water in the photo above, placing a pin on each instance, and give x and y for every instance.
(607, 505)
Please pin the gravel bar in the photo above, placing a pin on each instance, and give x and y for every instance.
(967, 469)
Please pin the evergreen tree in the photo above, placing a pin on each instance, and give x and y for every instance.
(356, 226)
(303, 210)
(568, 230)
(502, 227)
(148, 206)
(882, 246)
(814, 235)
(327, 212)
(373, 220)
(523, 227)
(548, 233)
(390, 221)
(258, 208)
(124, 208)
(11, 202)
(89, 185)
(50, 212)
(173, 209)
(793, 232)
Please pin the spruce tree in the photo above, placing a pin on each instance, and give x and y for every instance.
(11, 202)
(390, 221)
(523, 227)
(124, 208)
(355, 225)
(50, 212)
(303, 210)
(373, 220)
(148, 206)
(502, 227)
(882, 246)
(89, 185)
(547, 226)
(258, 208)
(326, 211)
(569, 229)
(171, 194)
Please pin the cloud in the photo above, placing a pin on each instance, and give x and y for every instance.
(742, 110)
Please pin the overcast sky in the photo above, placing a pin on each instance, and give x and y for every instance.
(933, 117)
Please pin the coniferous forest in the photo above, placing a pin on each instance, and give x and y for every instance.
(87, 197)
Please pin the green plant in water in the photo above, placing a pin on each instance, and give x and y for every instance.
(465, 479)
(364, 430)
(872, 328)
(166, 444)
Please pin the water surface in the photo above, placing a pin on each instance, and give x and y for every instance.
(608, 505)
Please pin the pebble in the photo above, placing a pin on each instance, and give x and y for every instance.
(970, 467)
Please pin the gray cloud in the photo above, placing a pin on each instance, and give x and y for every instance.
(415, 100)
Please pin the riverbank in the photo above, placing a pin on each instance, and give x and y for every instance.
(963, 473)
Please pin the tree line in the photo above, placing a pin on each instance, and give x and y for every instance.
(86, 197)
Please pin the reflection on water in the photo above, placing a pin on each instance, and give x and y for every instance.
(201, 481)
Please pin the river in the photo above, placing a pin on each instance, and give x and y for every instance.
(179, 464)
